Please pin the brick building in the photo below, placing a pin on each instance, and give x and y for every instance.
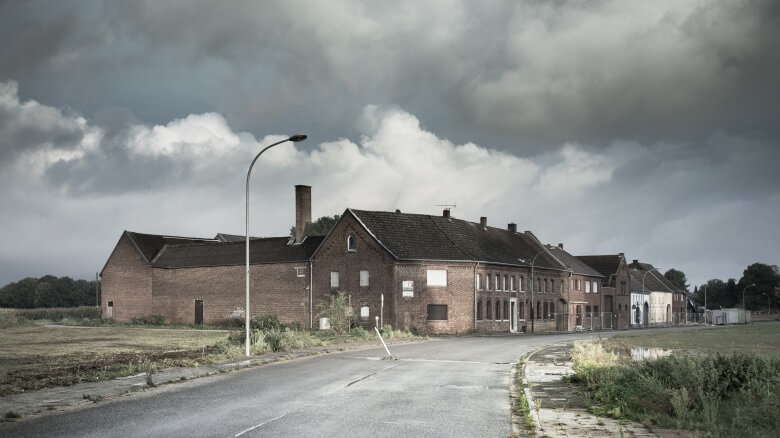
(616, 282)
(439, 274)
(588, 302)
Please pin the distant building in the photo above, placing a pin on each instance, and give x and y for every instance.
(615, 283)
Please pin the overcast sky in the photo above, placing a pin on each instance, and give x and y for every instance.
(649, 128)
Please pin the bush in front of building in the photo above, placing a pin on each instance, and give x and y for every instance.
(59, 313)
(337, 312)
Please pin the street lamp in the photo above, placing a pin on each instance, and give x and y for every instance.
(295, 139)
(643, 286)
(743, 298)
(768, 301)
(533, 285)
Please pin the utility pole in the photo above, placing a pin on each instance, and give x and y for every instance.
(97, 291)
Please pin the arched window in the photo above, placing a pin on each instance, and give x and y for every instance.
(498, 309)
(351, 243)
(479, 310)
(488, 311)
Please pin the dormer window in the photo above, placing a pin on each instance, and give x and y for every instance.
(351, 243)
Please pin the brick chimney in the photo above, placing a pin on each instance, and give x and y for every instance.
(446, 212)
(560, 245)
(302, 211)
(483, 221)
(512, 227)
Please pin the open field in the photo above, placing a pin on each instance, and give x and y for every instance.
(36, 356)
(760, 338)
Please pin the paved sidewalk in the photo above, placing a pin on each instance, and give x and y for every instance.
(52, 400)
(558, 407)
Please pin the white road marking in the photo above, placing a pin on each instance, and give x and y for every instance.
(259, 425)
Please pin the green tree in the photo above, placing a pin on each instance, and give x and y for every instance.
(321, 226)
(766, 278)
(337, 311)
(48, 291)
(678, 279)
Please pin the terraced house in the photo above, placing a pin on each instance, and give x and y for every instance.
(429, 273)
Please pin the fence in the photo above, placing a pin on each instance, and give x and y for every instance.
(595, 321)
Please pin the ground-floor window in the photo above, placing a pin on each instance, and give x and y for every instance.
(498, 309)
(506, 310)
(437, 312)
(479, 310)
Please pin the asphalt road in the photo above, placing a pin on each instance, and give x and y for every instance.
(444, 387)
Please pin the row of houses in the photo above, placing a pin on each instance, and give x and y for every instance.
(433, 274)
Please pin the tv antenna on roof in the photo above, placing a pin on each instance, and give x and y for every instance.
(447, 207)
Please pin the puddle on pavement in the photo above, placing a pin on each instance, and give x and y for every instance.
(649, 353)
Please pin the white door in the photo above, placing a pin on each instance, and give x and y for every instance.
(513, 315)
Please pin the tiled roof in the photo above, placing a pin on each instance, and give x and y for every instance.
(150, 244)
(607, 265)
(578, 266)
(653, 281)
(423, 237)
(266, 250)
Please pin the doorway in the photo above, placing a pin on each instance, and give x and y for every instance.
(198, 312)
(513, 315)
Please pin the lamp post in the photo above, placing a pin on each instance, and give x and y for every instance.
(643, 287)
(294, 138)
(533, 285)
(743, 297)
(768, 301)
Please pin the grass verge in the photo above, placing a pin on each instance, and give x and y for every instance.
(521, 409)
(717, 387)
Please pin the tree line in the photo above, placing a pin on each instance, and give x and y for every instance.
(719, 293)
(48, 291)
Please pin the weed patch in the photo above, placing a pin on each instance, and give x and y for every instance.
(720, 394)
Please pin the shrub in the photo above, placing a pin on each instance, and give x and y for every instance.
(294, 339)
(274, 340)
(337, 311)
(360, 332)
(265, 323)
(150, 320)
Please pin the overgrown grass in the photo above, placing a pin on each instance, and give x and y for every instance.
(521, 409)
(722, 394)
(57, 313)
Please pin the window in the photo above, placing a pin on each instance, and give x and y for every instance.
(498, 281)
(538, 284)
(351, 243)
(363, 278)
(506, 282)
(595, 287)
(437, 312)
(506, 310)
(538, 310)
(596, 310)
(545, 286)
(300, 271)
(587, 310)
(498, 310)
(521, 310)
(479, 310)
(587, 286)
(364, 313)
(437, 277)
(512, 283)
(334, 279)
(520, 282)
(478, 282)
(488, 311)
(560, 286)
(407, 289)
(487, 281)
(546, 310)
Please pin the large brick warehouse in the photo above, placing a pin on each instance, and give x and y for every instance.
(434, 274)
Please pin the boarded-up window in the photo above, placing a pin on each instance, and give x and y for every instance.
(300, 271)
(364, 313)
(478, 281)
(364, 278)
(487, 281)
(587, 286)
(407, 289)
(334, 279)
(437, 277)
(437, 312)
(595, 287)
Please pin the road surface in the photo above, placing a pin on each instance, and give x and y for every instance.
(443, 387)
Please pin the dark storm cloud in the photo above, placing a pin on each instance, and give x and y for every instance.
(650, 124)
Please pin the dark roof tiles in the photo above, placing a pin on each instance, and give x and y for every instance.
(424, 237)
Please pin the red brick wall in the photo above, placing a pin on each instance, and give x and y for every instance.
(127, 281)
(333, 256)
(275, 290)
